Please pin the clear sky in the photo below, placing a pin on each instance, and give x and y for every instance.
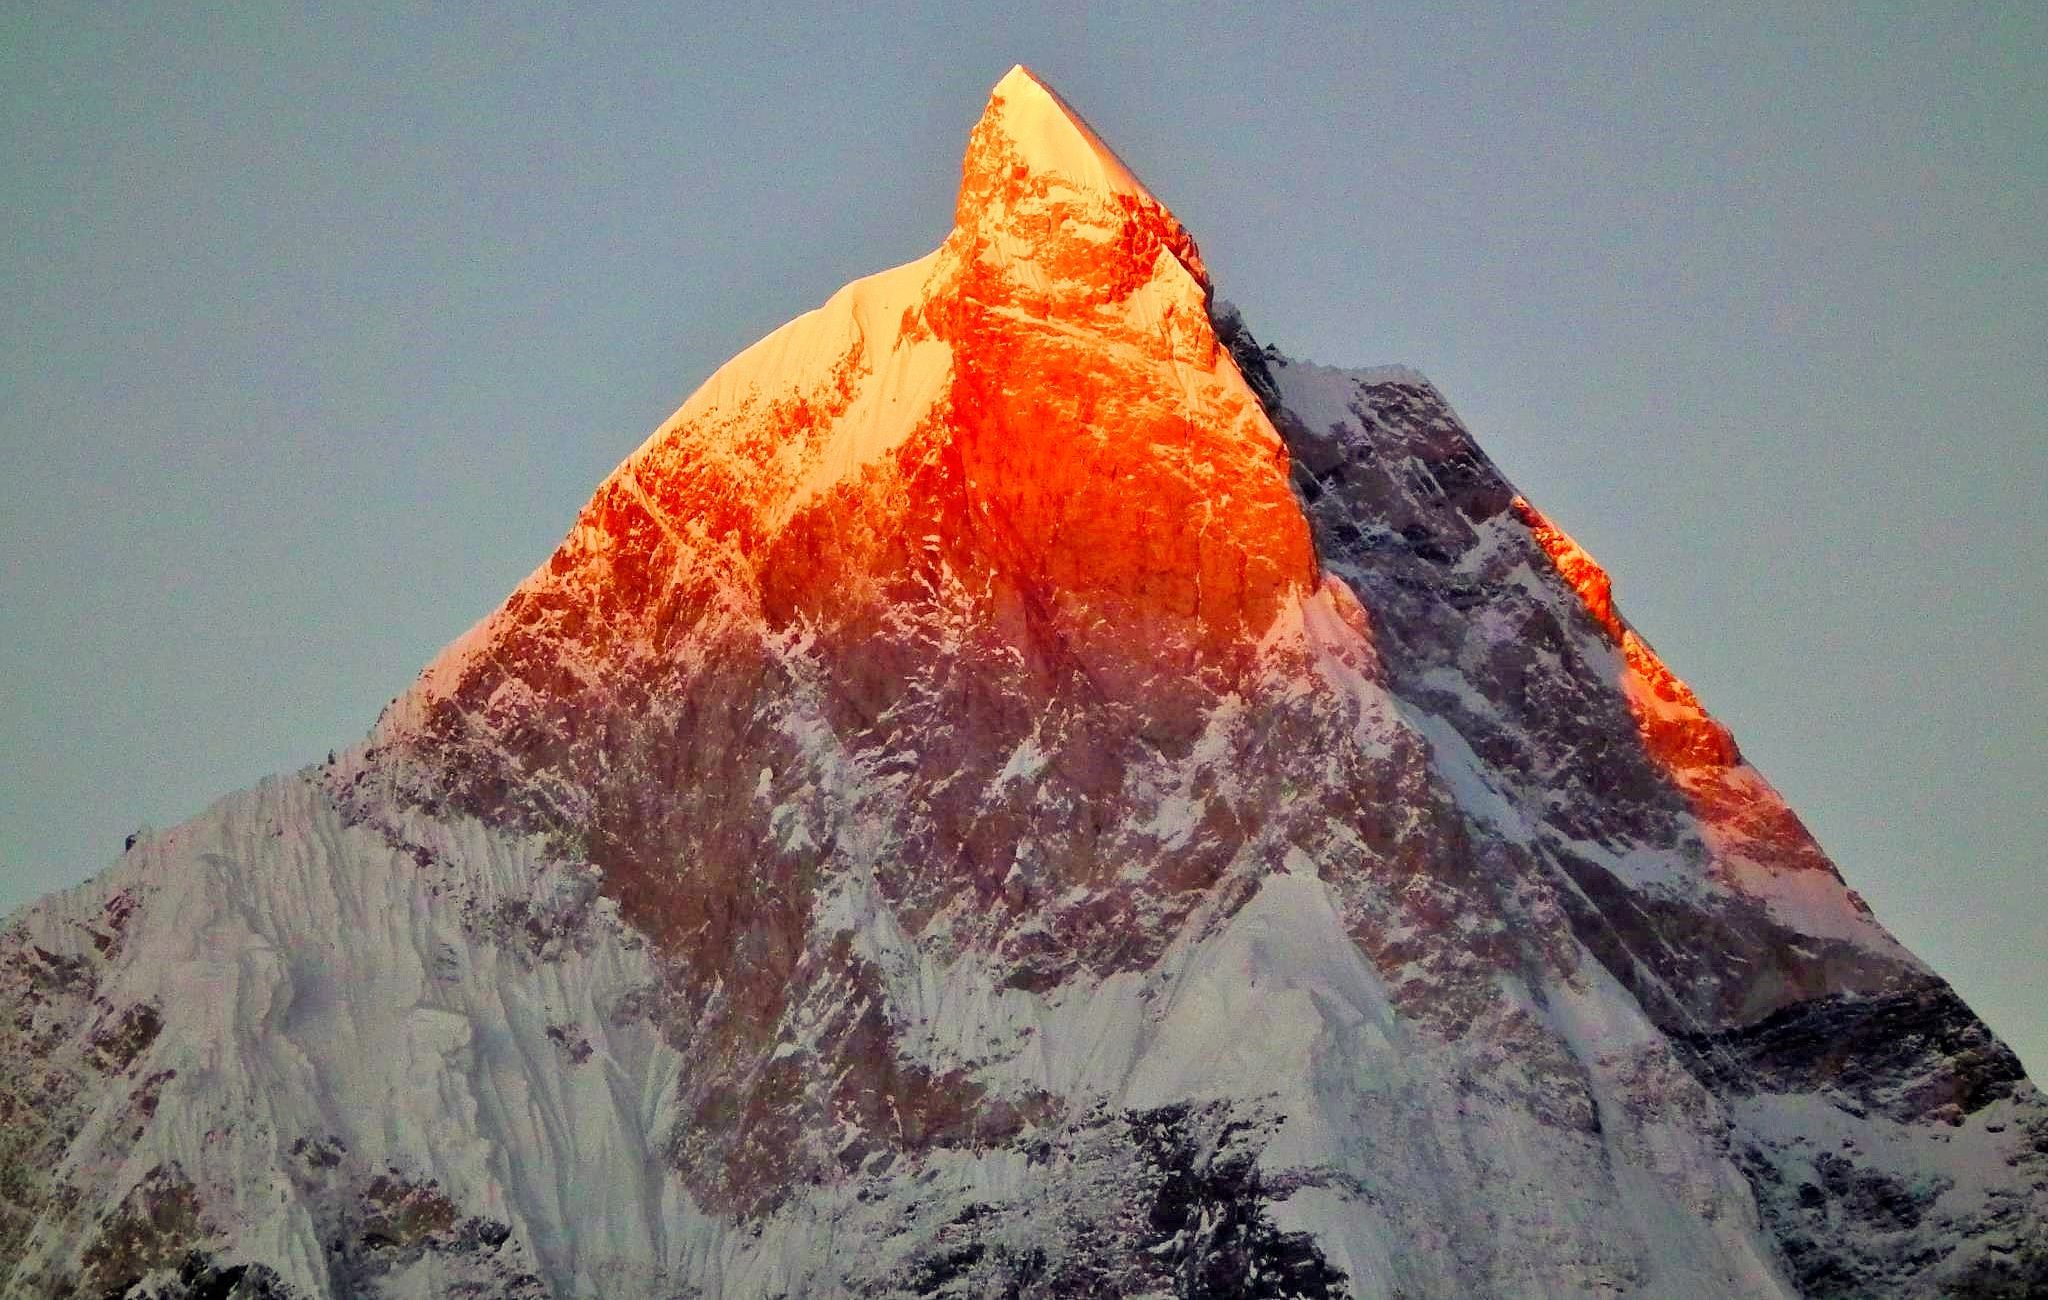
(317, 329)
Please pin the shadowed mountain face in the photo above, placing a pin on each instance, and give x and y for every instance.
(1016, 789)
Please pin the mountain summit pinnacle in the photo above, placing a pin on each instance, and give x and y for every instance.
(1016, 789)
(1037, 180)
(1038, 413)
(1048, 137)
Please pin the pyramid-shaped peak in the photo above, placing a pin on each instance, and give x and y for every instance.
(1036, 172)
(1048, 137)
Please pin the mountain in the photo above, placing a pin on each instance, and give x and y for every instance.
(1016, 789)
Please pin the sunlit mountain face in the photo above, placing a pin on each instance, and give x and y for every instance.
(1016, 789)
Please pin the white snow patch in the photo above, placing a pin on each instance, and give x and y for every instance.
(1468, 778)
(1325, 397)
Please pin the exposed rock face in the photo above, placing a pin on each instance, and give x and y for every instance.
(1016, 790)
(1720, 915)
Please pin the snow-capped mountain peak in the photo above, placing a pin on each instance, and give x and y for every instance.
(1016, 789)
(1049, 139)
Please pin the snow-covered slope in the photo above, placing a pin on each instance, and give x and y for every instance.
(1016, 789)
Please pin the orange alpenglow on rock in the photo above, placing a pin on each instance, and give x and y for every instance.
(1009, 508)
(1038, 412)
(1757, 837)
(1109, 445)
(1676, 727)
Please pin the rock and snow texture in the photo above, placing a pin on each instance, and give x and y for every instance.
(1016, 789)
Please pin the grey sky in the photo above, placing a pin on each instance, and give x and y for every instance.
(317, 331)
